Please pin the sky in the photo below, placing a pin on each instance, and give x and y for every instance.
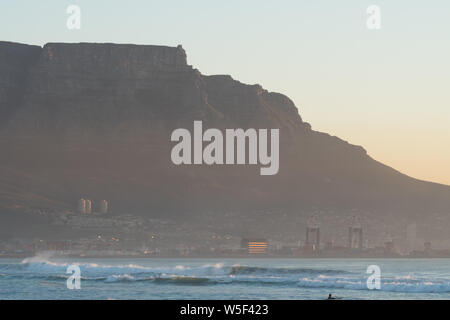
(386, 89)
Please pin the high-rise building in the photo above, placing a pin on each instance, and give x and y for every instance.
(88, 206)
(355, 234)
(312, 234)
(82, 206)
(103, 208)
(355, 239)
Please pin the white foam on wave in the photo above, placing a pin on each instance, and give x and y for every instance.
(407, 284)
(42, 264)
(219, 272)
(119, 277)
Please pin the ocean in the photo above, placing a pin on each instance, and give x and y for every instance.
(46, 278)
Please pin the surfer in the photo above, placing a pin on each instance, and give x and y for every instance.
(330, 297)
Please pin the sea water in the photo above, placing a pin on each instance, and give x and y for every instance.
(46, 278)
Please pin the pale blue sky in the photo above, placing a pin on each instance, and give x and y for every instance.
(387, 90)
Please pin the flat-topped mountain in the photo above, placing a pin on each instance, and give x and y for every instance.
(128, 89)
(95, 120)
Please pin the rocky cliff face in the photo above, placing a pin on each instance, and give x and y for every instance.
(15, 63)
(75, 90)
(95, 120)
(117, 90)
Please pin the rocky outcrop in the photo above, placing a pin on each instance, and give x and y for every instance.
(15, 63)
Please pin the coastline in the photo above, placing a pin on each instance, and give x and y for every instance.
(250, 257)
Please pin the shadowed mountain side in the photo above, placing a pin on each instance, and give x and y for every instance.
(95, 120)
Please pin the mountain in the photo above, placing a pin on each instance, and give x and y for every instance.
(94, 120)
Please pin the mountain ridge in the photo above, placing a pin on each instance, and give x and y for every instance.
(95, 119)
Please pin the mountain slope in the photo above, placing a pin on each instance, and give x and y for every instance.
(95, 120)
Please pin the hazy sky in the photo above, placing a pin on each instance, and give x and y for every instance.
(387, 90)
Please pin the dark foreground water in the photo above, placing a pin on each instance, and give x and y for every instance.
(45, 278)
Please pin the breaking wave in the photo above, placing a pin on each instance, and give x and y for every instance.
(394, 284)
(221, 274)
(282, 271)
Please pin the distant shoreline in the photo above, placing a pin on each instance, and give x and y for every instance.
(223, 257)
